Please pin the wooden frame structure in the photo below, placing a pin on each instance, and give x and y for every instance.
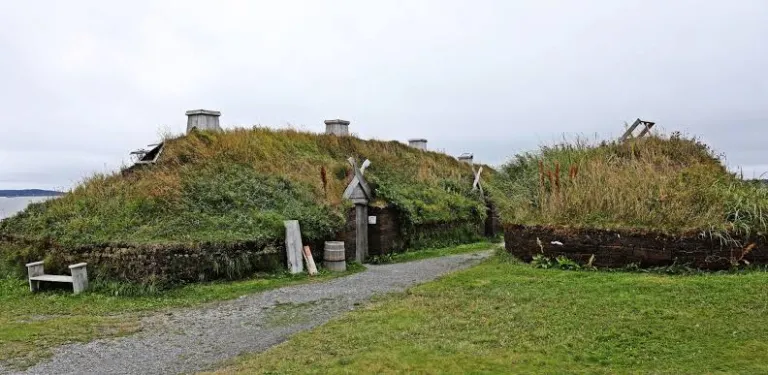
(647, 125)
(359, 193)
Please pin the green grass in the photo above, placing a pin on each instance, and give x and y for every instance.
(410, 256)
(31, 324)
(507, 317)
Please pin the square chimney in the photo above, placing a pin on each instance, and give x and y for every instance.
(203, 119)
(418, 143)
(337, 127)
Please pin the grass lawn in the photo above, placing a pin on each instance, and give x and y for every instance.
(507, 317)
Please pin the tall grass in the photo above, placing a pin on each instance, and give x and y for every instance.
(662, 183)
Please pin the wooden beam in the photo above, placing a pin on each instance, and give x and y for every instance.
(476, 184)
(360, 179)
(361, 231)
(648, 126)
(631, 129)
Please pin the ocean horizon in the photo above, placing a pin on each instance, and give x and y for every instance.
(10, 206)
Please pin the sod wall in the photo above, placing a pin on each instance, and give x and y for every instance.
(616, 249)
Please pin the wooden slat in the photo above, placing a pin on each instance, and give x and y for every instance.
(53, 278)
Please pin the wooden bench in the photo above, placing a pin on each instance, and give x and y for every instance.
(79, 278)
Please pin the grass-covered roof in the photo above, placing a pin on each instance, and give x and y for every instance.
(239, 185)
(671, 184)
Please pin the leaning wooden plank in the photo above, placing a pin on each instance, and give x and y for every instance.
(293, 246)
(311, 267)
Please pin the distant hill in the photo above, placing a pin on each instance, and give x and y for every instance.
(29, 193)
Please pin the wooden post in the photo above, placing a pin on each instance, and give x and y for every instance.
(359, 192)
(293, 246)
(361, 229)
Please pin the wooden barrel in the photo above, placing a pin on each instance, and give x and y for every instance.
(334, 256)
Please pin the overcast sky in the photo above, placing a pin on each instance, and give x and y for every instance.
(86, 82)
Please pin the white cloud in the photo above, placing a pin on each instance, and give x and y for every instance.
(491, 77)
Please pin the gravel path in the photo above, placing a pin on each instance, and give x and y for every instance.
(190, 340)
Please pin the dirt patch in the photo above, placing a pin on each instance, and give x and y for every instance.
(616, 249)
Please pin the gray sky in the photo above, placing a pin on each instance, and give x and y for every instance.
(85, 82)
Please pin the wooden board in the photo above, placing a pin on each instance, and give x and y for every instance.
(311, 267)
(293, 246)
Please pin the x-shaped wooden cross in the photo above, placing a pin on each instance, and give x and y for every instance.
(358, 179)
(476, 185)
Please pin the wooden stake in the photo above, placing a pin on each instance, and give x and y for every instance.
(311, 268)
